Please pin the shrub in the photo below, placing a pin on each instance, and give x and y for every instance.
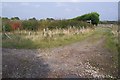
(7, 27)
(94, 17)
(30, 25)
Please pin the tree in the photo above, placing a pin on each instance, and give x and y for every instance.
(50, 19)
(32, 18)
(15, 18)
(94, 17)
(5, 18)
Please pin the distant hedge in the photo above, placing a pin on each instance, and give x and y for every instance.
(33, 24)
(65, 24)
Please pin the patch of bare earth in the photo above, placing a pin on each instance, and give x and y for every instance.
(86, 59)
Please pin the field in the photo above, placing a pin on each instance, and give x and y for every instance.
(72, 52)
(41, 39)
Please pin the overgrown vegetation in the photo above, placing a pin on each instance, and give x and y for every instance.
(94, 17)
(33, 24)
(109, 49)
(112, 38)
(46, 28)
(36, 40)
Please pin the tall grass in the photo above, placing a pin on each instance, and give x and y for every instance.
(111, 40)
(35, 40)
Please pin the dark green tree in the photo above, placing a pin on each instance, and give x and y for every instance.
(15, 18)
(50, 19)
(93, 16)
(5, 18)
(32, 18)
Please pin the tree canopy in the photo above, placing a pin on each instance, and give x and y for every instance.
(93, 16)
(15, 18)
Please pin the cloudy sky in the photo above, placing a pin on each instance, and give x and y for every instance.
(59, 10)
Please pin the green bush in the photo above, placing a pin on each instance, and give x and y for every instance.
(7, 27)
(30, 25)
(94, 17)
(67, 24)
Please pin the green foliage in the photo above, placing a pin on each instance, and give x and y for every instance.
(15, 18)
(50, 19)
(34, 24)
(7, 27)
(94, 17)
(5, 18)
(0, 24)
(43, 24)
(111, 41)
(30, 24)
(64, 24)
(17, 41)
(32, 18)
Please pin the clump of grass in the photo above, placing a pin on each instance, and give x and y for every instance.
(111, 41)
(111, 44)
(17, 41)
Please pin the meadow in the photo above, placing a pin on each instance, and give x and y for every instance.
(44, 39)
(47, 38)
(93, 49)
(81, 48)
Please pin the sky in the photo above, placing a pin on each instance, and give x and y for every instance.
(59, 0)
(59, 10)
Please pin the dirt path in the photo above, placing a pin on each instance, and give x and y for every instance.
(86, 59)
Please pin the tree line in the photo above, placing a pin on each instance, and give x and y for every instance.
(33, 24)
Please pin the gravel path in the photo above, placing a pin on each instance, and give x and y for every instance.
(86, 59)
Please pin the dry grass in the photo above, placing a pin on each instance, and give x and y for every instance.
(53, 38)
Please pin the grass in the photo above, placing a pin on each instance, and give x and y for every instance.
(109, 45)
(20, 41)
(17, 43)
(111, 41)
